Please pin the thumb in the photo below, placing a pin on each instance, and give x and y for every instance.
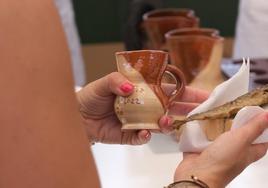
(114, 83)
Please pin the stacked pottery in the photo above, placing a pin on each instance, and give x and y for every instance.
(198, 53)
(158, 22)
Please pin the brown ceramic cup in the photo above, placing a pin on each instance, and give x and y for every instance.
(194, 49)
(158, 22)
(145, 69)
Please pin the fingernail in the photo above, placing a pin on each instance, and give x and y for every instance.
(126, 87)
(147, 136)
(168, 121)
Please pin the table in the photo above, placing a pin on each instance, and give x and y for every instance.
(153, 165)
(150, 165)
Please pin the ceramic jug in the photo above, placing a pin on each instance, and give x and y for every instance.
(158, 22)
(145, 69)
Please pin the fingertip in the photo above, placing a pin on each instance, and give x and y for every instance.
(144, 136)
(165, 124)
(264, 120)
(165, 121)
(119, 84)
(126, 88)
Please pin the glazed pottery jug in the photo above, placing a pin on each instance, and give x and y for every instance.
(197, 52)
(158, 22)
(145, 69)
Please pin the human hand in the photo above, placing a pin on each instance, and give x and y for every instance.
(96, 104)
(227, 156)
(189, 100)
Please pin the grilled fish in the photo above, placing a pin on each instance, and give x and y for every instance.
(257, 97)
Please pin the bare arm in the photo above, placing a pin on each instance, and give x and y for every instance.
(42, 142)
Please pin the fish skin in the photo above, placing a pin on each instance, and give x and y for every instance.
(257, 97)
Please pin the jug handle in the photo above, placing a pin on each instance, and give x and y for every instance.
(180, 84)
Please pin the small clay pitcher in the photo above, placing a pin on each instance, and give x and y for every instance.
(158, 22)
(145, 69)
(196, 50)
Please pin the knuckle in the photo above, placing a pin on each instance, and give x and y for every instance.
(116, 78)
(112, 79)
(112, 76)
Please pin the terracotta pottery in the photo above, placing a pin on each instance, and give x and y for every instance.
(158, 22)
(198, 53)
(145, 69)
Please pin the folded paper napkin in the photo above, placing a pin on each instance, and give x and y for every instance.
(193, 138)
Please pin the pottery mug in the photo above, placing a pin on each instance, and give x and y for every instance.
(158, 22)
(194, 49)
(145, 69)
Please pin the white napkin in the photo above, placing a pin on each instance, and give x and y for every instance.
(193, 138)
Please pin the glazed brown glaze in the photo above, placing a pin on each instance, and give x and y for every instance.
(145, 69)
(152, 64)
(158, 22)
(192, 49)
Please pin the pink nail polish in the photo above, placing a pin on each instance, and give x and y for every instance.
(170, 120)
(147, 136)
(166, 121)
(126, 87)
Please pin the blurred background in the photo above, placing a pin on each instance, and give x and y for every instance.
(104, 24)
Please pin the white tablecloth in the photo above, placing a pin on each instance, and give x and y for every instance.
(153, 165)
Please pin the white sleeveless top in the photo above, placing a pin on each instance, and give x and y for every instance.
(66, 13)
